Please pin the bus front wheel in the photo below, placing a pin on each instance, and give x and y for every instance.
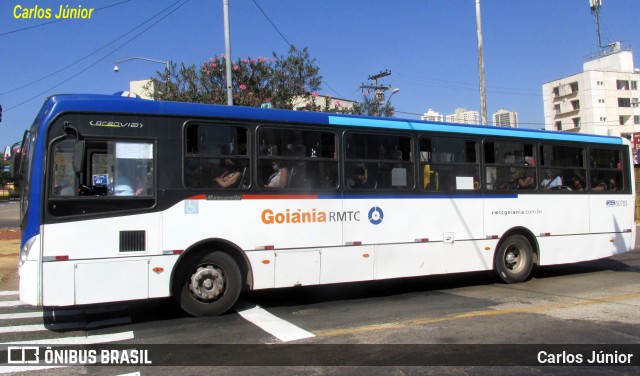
(513, 260)
(209, 285)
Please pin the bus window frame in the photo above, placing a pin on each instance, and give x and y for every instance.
(567, 185)
(257, 158)
(624, 161)
(535, 168)
(97, 206)
(346, 162)
(454, 165)
(247, 179)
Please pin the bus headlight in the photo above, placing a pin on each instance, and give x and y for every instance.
(24, 251)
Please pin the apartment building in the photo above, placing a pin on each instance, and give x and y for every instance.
(432, 115)
(462, 115)
(505, 118)
(602, 99)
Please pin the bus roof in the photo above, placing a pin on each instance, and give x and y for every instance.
(118, 104)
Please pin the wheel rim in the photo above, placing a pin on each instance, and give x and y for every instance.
(207, 283)
(514, 257)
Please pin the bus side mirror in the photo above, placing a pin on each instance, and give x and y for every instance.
(78, 156)
(14, 163)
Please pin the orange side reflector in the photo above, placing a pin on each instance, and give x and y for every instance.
(365, 255)
(158, 269)
(266, 262)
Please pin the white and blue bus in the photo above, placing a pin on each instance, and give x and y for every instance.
(127, 199)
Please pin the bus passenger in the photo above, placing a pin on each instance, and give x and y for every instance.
(122, 186)
(578, 185)
(599, 185)
(523, 179)
(550, 182)
(230, 176)
(360, 180)
(279, 177)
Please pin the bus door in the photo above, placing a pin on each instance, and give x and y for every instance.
(99, 230)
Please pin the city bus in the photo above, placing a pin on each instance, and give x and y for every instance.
(130, 199)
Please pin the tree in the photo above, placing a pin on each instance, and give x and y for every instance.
(255, 80)
(293, 76)
(371, 106)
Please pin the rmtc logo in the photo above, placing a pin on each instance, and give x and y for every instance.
(614, 203)
(376, 215)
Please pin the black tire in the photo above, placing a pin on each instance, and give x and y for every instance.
(513, 261)
(208, 285)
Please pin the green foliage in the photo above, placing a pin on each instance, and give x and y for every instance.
(294, 75)
(255, 80)
(370, 106)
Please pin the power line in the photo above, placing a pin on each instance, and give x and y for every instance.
(464, 86)
(272, 24)
(289, 43)
(54, 21)
(92, 53)
(103, 57)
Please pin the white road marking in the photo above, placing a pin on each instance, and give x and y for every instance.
(22, 315)
(87, 340)
(279, 328)
(5, 293)
(65, 326)
(12, 303)
(57, 313)
(12, 369)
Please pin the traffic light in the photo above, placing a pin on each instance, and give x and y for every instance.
(0, 113)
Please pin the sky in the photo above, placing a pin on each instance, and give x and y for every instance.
(429, 46)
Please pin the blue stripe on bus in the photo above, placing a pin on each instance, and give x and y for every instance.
(472, 129)
(116, 104)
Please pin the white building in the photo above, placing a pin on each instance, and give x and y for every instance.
(505, 118)
(322, 102)
(432, 115)
(464, 116)
(603, 99)
(143, 88)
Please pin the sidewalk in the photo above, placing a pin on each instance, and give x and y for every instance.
(9, 251)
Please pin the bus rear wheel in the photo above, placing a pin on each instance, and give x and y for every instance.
(513, 260)
(209, 285)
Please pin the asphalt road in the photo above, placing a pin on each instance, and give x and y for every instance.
(586, 303)
(9, 214)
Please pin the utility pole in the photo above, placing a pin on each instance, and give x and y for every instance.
(595, 10)
(227, 43)
(378, 90)
(483, 93)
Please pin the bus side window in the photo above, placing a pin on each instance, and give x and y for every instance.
(510, 165)
(605, 167)
(64, 183)
(562, 168)
(306, 159)
(216, 156)
(449, 164)
(379, 161)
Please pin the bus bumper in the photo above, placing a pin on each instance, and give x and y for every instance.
(29, 282)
